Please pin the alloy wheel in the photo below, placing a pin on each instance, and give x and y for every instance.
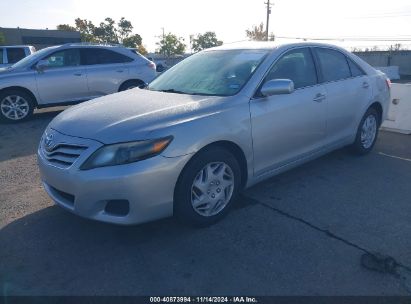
(14, 107)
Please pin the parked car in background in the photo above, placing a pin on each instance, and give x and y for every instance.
(68, 74)
(161, 65)
(11, 54)
(217, 122)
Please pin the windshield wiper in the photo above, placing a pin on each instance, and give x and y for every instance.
(181, 92)
(173, 91)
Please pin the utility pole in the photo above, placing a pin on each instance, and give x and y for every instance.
(268, 18)
(164, 53)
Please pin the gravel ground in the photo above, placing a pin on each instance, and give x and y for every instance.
(300, 233)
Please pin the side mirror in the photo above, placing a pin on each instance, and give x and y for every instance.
(42, 65)
(277, 87)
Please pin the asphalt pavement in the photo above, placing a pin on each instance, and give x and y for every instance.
(303, 232)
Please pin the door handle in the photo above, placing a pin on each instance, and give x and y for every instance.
(319, 97)
(365, 85)
(120, 71)
(78, 74)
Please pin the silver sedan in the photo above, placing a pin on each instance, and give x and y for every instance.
(218, 122)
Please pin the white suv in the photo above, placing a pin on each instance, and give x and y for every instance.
(12, 54)
(69, 74)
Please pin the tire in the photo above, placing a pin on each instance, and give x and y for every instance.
(204, 207)
(23, 105)
(130, 84)
(365, 141)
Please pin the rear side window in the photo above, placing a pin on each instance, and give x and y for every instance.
(102, 56)
(296, 65)
(334, 65)
(15, 54)
(1, 56)
(355, 70)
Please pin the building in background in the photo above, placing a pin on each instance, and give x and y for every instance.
(38, 38)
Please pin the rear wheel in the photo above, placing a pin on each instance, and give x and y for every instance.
(15, 106)
(207, 187)
(367, 132)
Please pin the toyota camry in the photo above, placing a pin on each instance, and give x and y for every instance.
(218, 122)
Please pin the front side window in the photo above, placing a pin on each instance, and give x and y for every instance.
(218, 73)
(298, 66)
(1, 56)
(64, 58)
(334, 65)
(15, 54)
(94, 56)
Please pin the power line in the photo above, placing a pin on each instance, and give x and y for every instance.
(381, 16)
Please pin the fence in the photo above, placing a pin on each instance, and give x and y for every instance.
(402, 59)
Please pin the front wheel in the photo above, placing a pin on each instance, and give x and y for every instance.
(15, 106)
(367, 133)
(207, 187)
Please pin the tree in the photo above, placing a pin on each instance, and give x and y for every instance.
(107, 32)
(2, 39)
(132, 41)
(257, 33)
(395, 48)
(86, 29)
(171, 45)
(142, 50)
(66, 27)
(205, 41)
(125, 28)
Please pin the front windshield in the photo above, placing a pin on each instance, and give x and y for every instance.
(30, 59)
(219, 73)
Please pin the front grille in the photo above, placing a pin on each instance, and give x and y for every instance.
(63, 155)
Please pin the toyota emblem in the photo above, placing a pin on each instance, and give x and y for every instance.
(48, 142)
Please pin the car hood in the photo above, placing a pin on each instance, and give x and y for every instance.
(130, 115)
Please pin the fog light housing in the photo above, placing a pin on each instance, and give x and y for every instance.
(117, 207)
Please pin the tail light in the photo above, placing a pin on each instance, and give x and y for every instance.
(388, 81)
(151, 65)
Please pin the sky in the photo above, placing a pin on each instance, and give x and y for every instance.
(228, 18)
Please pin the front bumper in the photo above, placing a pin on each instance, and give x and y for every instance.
(147, 186)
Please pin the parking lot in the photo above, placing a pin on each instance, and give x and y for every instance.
(300, 233)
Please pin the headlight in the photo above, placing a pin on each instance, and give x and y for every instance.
(125, 153)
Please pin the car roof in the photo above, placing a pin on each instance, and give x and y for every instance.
(92, 45)
(270, 45)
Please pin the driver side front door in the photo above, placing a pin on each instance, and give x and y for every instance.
(289, 127)
(64, 79)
